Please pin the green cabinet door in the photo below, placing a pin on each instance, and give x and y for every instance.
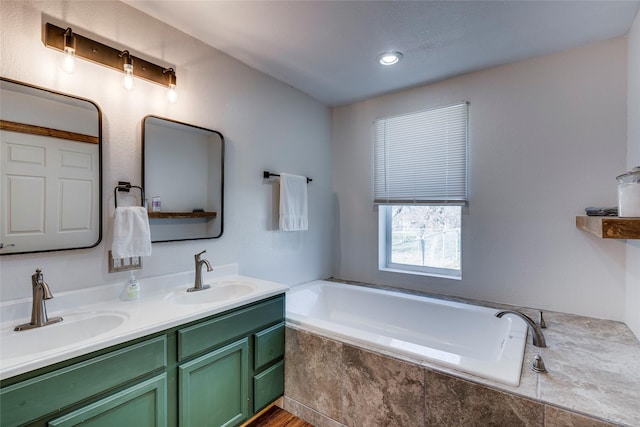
(213, 390)
(141, 405)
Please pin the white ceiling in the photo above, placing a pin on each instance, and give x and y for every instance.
(328, 49)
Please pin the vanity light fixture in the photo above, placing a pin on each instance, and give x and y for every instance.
(77, 46)
(127, 68)
(172, 95)
(69, 49)
(389, 58)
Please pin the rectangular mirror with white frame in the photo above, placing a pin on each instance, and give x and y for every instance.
(50, 170)
(183, 178)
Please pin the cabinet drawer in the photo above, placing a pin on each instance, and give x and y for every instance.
(212, 333)
(268, 386)
(269, 346)
(21, 402)
(141, 405)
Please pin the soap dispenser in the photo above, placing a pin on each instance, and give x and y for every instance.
(131, 289)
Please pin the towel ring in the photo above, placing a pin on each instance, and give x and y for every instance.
(126, 187)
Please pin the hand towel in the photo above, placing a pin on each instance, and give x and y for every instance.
(131, 234)
(293, 203)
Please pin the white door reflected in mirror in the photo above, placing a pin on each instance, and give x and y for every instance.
(50, 181)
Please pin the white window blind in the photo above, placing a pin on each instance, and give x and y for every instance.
(422, 157)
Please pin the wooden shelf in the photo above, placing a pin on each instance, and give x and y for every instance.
(182, 214)
(610, 227)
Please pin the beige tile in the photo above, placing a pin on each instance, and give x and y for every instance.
(381, 391)
(452, 401)
(313, 372)
(594, 368)
(556, 417)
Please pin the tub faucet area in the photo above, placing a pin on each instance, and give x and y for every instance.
(536, 330)
(41, 293)
(197, 286)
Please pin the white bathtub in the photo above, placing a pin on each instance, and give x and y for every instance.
(465, 337)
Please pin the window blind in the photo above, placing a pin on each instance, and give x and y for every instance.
(422, 157)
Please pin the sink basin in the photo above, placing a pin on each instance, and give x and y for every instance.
(75, 328)
(219, 291)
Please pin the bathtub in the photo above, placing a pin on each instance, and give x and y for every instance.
(464, 337)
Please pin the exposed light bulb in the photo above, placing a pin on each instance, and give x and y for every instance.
(127, 67)
(172, 95)
(69, 60)
(128, 76)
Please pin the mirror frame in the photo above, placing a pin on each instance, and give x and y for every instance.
(220, 212)
(100, 178)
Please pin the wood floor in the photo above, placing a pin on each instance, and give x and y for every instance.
(277, 417)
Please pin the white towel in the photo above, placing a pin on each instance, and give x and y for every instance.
(131, 234)
(293, 203)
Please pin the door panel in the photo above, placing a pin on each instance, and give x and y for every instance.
(213, 388)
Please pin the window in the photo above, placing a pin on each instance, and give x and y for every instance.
(420, 183)
(422, 239)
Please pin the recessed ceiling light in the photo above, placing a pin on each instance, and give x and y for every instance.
(389, 58)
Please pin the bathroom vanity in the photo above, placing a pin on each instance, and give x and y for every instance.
(218, 369)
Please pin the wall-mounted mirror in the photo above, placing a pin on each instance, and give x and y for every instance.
(50, 170)
(183, 169)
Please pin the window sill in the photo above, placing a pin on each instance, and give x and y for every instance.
(420, 273)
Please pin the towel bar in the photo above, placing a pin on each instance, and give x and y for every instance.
(267, 174)
(126, 187)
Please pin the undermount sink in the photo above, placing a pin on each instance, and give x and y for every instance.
(219, 291)
(75, 328)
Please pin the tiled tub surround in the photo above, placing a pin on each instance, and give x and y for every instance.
(593, 380)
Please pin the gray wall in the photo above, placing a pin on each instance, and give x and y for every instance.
(266, 124)
(547, 138)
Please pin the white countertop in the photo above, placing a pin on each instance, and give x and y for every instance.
(154, 312)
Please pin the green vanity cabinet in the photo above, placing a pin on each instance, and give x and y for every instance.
(217, 371)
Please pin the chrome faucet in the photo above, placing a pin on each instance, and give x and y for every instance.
(41, 292)
(197, 286)
(536, 331)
